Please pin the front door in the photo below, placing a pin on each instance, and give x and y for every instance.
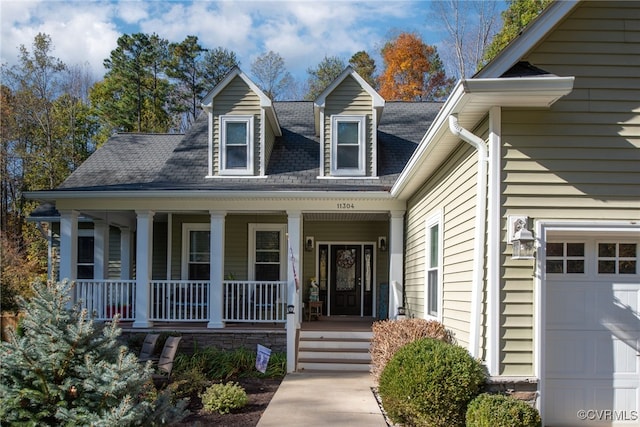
(345, 280)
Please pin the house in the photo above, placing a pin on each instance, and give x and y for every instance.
(229, 223)
(511, 212)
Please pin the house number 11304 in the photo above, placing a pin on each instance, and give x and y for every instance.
(346, 205)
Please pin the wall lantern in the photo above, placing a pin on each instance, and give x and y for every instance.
(521, 238)
(308, 243)
(382, 243)
(290, 309)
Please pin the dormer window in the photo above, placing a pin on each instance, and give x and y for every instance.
(348, 145)
(236, 145)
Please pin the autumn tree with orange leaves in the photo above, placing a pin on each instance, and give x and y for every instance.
(413, 71)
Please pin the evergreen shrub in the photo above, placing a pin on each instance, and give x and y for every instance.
(390, 335)
(496, 410)
(64, 369)
(430, 383)
(223, 398)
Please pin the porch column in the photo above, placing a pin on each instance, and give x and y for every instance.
(294, 229)
(396, 262)
(125, 253)
(144, 252)
(100, 249)
(216, 270)
(68, 245)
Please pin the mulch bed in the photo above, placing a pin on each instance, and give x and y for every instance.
(259, 390)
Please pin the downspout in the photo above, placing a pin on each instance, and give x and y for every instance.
(480, 230)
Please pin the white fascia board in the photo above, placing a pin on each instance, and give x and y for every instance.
(529, 38)
(52, 196)
(477, 97)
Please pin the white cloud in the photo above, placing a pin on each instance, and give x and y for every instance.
(303, 32)
(79, 35)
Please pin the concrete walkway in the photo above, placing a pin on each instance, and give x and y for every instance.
(324, 399)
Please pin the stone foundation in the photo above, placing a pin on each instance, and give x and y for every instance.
(522, 388)
(220, 339)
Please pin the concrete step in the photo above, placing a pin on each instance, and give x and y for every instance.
(335, 343)
(334, 354)
(321, 350)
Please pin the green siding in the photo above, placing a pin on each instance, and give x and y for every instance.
(451, 193)
(236, 98)
(577, 161)
(351, 99)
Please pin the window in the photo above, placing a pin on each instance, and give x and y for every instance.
(348, 145)
(85, 254)
(236, 145)
(433, 267)
(565, 258)
(196, 251)
(617, 258)
(267, 259)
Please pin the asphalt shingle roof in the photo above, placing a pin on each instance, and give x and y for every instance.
(151, 161)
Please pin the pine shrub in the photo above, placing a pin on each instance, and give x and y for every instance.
(390, 335)
(496, 410)
(223, 398)
(430, 383)
(64, 369)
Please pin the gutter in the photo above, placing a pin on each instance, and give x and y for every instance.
(480, 231)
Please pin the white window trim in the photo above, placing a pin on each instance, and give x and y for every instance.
(248, 121)
(253, 227)
(430, 222)
(362, 139)
(187, 228)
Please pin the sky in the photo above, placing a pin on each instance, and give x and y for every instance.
(303, 32)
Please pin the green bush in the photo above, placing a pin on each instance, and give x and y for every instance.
(430, 383)
(64, 369)
(223, 398)
(390, 335)
(496, 410)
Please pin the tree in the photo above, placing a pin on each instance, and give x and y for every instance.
(321, 76)
(63, 369)
(413, 71)
(186, 69)
(517, 16)
(131, 96)
(470, 26)
(217, 64)
(363, 64)
(46, 131)
(271, 74)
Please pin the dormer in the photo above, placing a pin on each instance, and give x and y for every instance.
(242, 128)
(347, 114)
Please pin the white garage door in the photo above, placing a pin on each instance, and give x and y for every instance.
(592, 334)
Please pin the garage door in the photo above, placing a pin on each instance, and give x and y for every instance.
(592, 333)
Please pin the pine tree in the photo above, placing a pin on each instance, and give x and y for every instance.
(64, 369)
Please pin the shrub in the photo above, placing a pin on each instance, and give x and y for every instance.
(390, 335)
(63, 369)
(496, 410)
(222, 398)
(216, 364)
(429, 383)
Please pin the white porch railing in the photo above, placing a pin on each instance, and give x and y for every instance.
(255, 302)
(185, 301)
(106, 298)
(179, 301)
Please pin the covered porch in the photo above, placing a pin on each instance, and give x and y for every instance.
(230, 267)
